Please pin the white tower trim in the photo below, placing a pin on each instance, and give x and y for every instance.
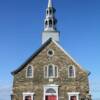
(50, 21)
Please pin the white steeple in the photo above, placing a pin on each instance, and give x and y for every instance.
(50, 21)
(50, 3)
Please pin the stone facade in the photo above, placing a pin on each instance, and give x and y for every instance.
(50, 73)
(79, 84)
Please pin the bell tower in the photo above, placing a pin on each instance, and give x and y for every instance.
(50, 22)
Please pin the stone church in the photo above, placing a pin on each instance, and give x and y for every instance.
(50, 73)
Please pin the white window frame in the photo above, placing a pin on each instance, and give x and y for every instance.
(48, 86)
(49, 54)
(27, 71)
(28, 94)
(69, 71)
(47, 72)
(73, 94)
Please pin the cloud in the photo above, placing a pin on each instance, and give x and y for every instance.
(5, 93)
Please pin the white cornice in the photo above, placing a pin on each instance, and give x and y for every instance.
(66, 53)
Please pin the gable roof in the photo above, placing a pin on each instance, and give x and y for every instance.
(39, 50)
(67, 54)
(32, 56)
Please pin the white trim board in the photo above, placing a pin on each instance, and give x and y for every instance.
(73, 94)
(48, 86)
(28, 94)
(66, 53)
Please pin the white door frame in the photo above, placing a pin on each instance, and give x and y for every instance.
(73, 94)
(53, 86)
(28, 94)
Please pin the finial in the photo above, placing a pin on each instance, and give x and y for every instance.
(49, 3)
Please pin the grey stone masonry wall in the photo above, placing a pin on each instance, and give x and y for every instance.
(22, 84)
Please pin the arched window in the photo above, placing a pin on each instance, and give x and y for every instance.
(54, 22)
(29, 71)
(47, 12)
(46, 22)
(50, 71)
(71, 71)
(50, 23)
(50, 11)
(50, 90)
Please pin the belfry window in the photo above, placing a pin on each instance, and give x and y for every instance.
(46, 22)
(50, 11)
(54, 22)
(50, 23)
(29, 71)
(51, 71)
(47, 12)
(71, 71)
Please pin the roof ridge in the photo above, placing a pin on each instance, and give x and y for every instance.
(70, 56)
(32, 56)
(39, 50)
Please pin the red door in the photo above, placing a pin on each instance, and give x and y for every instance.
(73, 98)
(28, 98)
(51, 98)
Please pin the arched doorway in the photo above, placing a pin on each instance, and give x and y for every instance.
(51, 92)
(52, 96)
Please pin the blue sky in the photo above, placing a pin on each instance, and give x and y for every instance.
(21, 27)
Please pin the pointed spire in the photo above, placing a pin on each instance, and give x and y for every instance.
(50, 20)
(50, 3)
(50, 30)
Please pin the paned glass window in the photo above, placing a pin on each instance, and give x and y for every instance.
(71, 71)
(29, 72)
(51, 71)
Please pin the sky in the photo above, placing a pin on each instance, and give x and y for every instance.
(21, 27)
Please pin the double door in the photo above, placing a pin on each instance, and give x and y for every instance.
(51, 97)
(73, 98)
(28, 98)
